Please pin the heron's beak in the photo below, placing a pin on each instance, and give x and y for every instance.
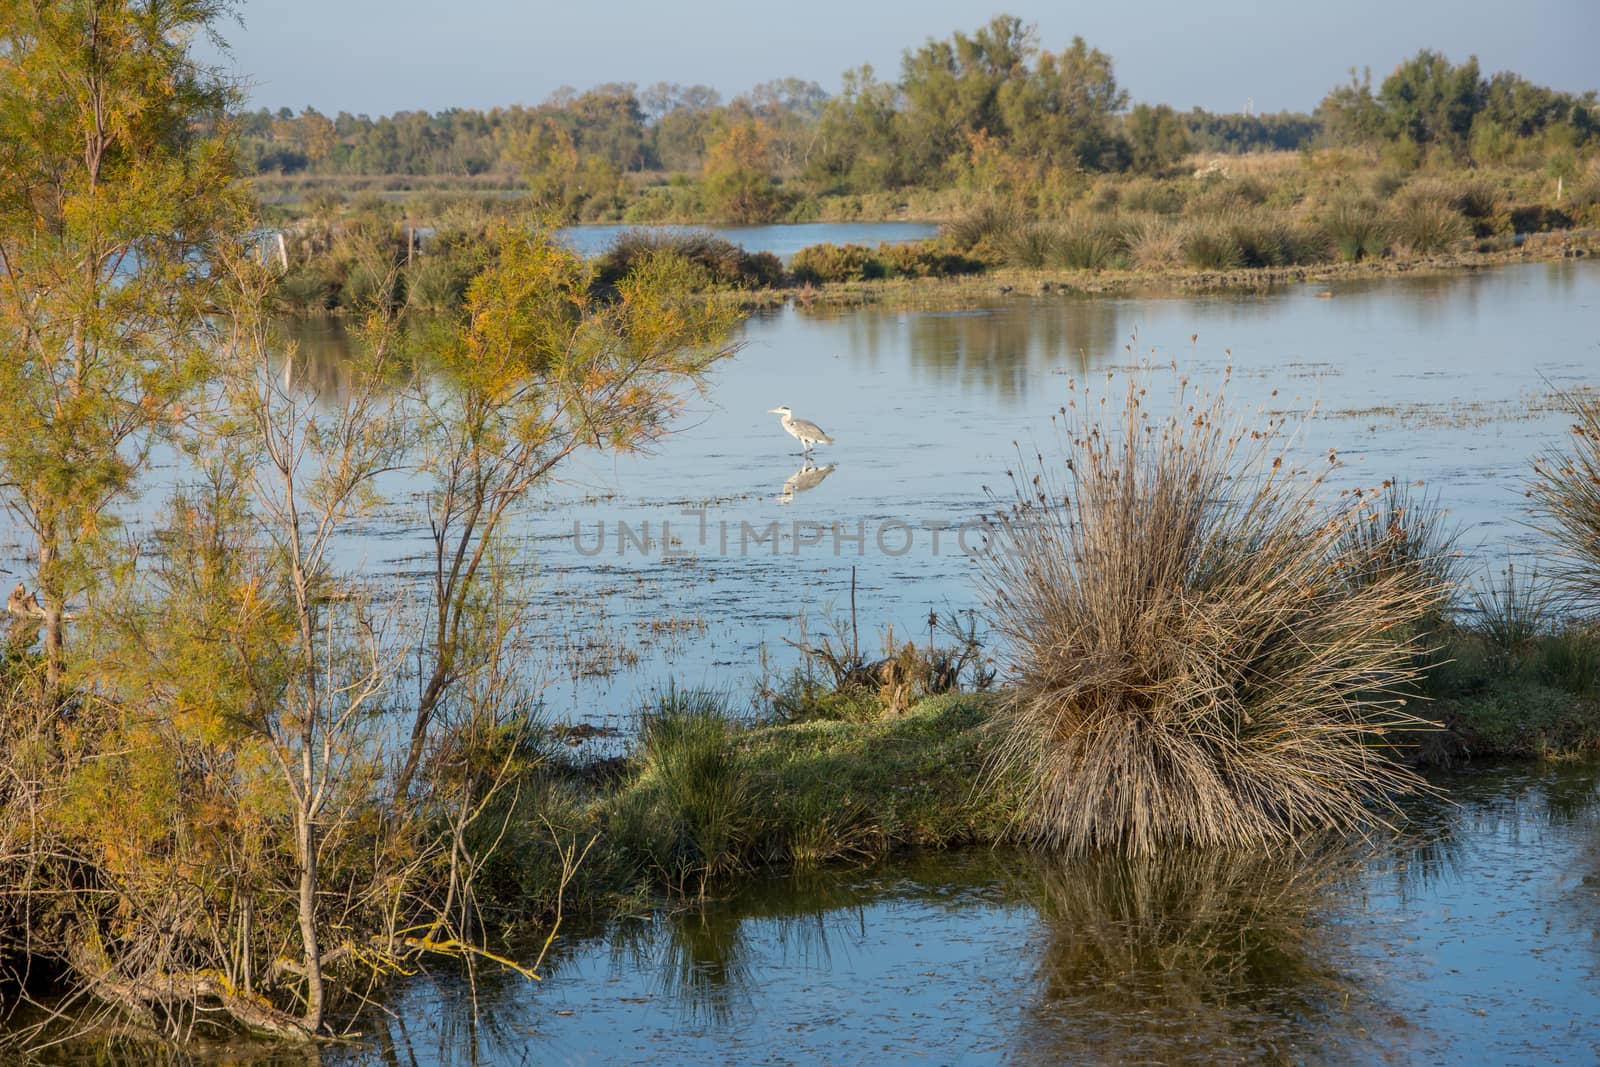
(774, 411)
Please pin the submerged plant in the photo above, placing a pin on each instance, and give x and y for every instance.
(1188, 660)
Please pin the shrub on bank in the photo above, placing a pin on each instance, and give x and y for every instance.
(723, 262)
(825, 263)
(822, 264)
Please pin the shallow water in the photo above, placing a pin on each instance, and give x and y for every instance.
(1472, 937)
(1449, 380)
(697, 563)
(782, 241)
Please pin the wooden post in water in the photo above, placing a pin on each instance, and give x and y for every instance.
(283, 252)
(411, 244)
(855, 635)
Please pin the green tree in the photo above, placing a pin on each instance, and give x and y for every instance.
(1060, 113)
(116, 182)
(1157, 138)
(1430, 101)
(1350, 114)
(536, 368)
(858, 137)
(952, 89)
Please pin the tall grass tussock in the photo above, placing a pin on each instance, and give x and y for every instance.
(1190, 663)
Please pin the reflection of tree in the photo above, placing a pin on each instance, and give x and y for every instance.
(324, 354)
(1191, 956)
(1001, 350)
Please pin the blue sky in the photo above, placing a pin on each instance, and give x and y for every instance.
(381, 56)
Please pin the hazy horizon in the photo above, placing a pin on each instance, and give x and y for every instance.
(374, 58)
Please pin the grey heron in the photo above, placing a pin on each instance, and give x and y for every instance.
(805, 431)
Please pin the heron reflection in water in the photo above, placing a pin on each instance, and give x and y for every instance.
(809, 476)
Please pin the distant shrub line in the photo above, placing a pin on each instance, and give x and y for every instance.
(1293, 212)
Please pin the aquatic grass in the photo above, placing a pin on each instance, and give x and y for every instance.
(1479, 200)
(1031, 245)
(1154, 244)
(1226, 196)
(1513, 609)
(1187, 661)
(1151, 195)
(1569, 659)
(688, 751)
(1402, 527)
(988, 222)
(709, 798)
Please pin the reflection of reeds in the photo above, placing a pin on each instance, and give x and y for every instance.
(1192, 955)
(704, 957)
(705, 966)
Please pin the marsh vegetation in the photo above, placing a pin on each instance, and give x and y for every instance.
(248, 783)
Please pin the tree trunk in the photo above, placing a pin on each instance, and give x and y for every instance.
(419, 728)
(306, 839)
(54, 610)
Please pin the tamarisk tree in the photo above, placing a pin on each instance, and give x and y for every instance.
(116, 179)
(538, 366)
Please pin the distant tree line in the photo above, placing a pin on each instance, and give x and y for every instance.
(990, 107)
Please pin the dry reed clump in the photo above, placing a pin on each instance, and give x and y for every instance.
(1356, 228)
(1565, 489)
(1426, 219)
(1155, 244)
(1210, 244)
(1189, 661)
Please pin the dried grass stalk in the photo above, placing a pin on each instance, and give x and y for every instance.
(1190, 660)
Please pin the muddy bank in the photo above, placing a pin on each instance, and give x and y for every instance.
(1004, 283)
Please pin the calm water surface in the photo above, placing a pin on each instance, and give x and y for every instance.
(1472, 938)
(782, 241)
(1448, 380)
